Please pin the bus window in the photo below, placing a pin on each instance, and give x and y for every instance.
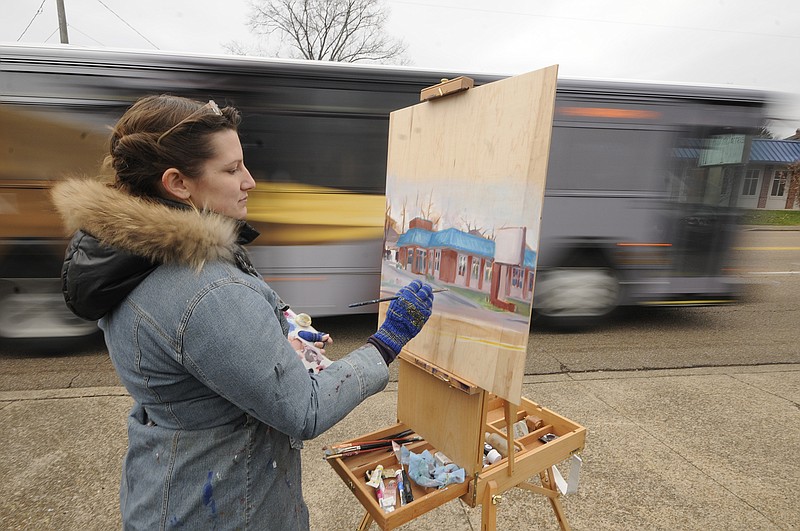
(347, 153)
(603, 159)
(702, 179)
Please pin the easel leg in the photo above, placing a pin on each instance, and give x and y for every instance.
(510, 418)
(549, 483)
(366, 521)
(489, 510)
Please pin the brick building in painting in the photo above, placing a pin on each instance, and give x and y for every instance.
(463, 259)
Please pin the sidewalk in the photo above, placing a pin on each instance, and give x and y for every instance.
(707, 448)
(770, 227)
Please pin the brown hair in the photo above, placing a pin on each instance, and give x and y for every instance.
(161, 132)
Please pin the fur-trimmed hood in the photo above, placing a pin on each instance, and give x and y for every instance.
(155, 231)
(119, 239)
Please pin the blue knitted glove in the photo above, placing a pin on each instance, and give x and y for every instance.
(405, 316)
(312, 337)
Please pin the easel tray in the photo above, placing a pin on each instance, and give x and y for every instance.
(449, 407)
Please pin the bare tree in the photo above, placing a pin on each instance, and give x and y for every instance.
(328, 30)
(474, 228)
(794, 182)
(403, 211)
(428, 211)
(764, 132)
(389, 222)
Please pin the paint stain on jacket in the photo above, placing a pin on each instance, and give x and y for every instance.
(208, 495)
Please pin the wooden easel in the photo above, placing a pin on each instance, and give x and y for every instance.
(453, 415)
(462, 375)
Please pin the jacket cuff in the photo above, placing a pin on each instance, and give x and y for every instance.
(387, 353)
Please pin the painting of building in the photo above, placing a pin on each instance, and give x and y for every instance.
(454, 258)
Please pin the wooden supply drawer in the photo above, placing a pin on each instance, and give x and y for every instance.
(353, 471)
(534, 456)
(453, 417)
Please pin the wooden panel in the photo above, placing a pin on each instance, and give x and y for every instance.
(448, 418)
(465, 178)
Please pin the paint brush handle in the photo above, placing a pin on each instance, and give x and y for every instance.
(383, 442)
(387, 299)
(356, 447)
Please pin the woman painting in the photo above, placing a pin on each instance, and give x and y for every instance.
(199, 340)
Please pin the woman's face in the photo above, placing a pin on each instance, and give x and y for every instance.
(225, 181)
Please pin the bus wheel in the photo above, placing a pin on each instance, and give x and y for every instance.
(38, 316)
(576, 297)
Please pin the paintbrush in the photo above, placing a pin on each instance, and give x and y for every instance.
(369, 446)
(388, 438)
(386, 299)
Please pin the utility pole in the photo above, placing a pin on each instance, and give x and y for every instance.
(62, 22)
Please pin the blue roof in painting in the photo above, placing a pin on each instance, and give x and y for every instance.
(462, 241)
(786, 151)
(457, 240)
(419, 237)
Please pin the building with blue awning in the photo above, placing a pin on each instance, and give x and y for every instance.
(464, 259)
(764, 181)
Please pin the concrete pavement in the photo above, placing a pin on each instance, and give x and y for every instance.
(702, 448)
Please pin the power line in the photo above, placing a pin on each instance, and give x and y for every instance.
(126, 23)
(38, 12)
(85, 35)
(52, 33)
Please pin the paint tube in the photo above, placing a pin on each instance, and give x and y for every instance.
(390, 496)
(387, 493)
(520, 429)
(493, 456)
(379, 492)
(400, 487)
(440, 459)
(499, 443)
(377, 477)
(409, 495)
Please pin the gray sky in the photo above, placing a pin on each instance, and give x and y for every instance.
(729, 42)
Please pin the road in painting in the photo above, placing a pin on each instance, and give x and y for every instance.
(457, 302)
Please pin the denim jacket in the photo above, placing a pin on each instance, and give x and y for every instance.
(221, 400)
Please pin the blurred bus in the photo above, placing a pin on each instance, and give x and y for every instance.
(637, 207)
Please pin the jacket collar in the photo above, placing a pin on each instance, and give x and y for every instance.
(161, 231)
(246, 233)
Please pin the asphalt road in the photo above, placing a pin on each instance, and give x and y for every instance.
(762, 329)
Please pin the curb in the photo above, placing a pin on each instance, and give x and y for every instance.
(93, 392)
(56, 394)
(771, 227)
